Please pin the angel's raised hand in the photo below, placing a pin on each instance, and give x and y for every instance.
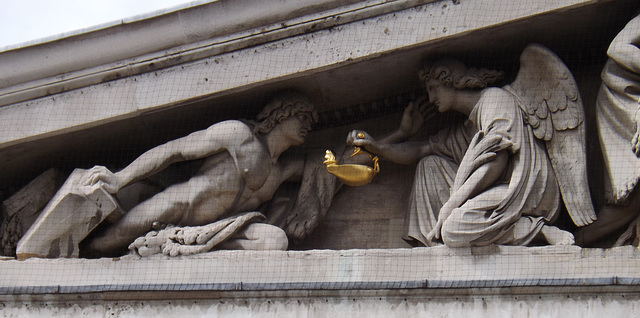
(414, 116)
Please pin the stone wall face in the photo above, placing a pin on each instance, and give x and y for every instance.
(559, 305)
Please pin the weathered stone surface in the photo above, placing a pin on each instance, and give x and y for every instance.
(356, 305)
(68, 218)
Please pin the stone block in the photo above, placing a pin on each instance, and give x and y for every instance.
(68, 218)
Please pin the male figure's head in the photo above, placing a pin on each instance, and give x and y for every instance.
(288, 108)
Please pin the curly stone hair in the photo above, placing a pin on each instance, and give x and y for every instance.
(282, 106)
(455, 74)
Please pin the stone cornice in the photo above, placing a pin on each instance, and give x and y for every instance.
(174, 38)
(302, 46)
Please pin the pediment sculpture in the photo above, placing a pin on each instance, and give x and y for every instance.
(503, 175)
(216, 207)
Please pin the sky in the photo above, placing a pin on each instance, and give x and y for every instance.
(27, 20)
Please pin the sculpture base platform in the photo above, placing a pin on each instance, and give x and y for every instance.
(494, 281)
(422, 268)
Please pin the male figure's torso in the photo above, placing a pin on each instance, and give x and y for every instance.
(237, 179)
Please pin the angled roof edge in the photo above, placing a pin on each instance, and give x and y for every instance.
(148, 43)
(100, 26)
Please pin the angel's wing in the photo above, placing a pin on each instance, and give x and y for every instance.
(551, 103)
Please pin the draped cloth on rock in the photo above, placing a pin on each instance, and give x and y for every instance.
(513, 210)
(189, 240)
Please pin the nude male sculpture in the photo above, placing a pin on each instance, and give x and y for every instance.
(241, 169)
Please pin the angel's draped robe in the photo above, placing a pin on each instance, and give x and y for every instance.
(511, 211)
(617, 104)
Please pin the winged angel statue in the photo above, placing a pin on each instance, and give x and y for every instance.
(500, 177)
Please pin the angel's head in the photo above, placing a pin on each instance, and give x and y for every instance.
(442, 78)
(455, 74)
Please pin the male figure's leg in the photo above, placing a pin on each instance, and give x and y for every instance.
(258, 236)
(167, 207)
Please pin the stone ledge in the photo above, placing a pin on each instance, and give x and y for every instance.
(569, 268)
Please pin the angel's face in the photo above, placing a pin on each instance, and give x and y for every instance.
(440, 95)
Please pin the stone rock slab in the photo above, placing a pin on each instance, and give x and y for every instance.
(66, 220)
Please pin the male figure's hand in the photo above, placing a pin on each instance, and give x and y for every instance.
(103, 177)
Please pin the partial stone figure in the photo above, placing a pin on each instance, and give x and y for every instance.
(501, 177)
(618, 115)
(21, 210)
(241, 167)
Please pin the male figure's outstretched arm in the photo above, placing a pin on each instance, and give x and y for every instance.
(227, 135)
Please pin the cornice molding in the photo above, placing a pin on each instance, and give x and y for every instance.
(171, 39)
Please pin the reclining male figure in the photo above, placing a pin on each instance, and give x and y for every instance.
(241, 169)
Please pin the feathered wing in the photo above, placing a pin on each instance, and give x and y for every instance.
(551, 103)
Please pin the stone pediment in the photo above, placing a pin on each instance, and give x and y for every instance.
(357, 62)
